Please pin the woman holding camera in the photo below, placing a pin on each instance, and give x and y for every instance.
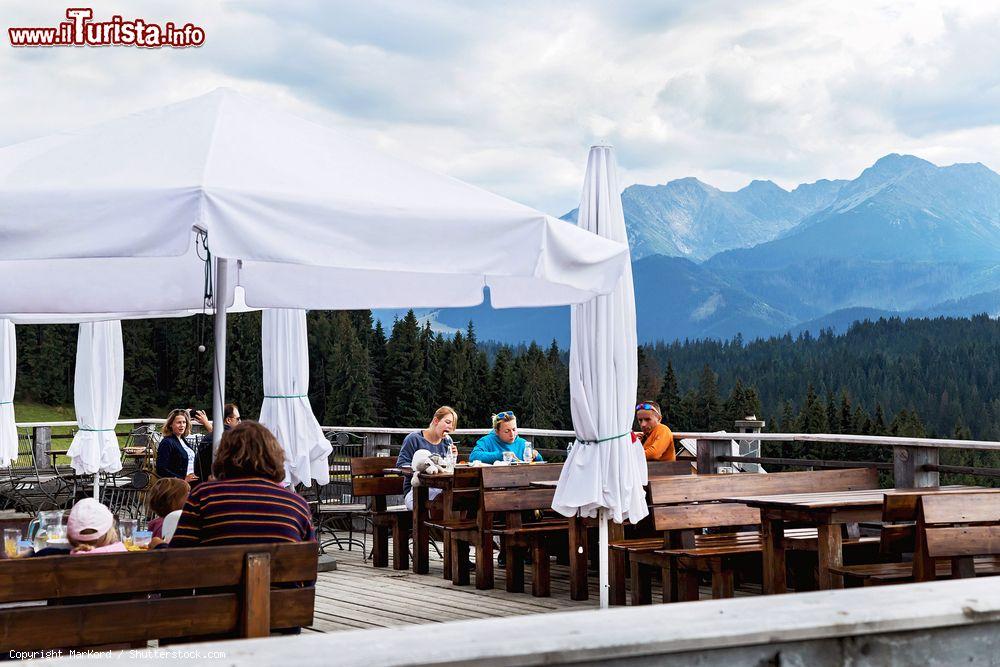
(174, 458)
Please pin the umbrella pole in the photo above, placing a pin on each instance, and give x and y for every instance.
(603, 556)
(219, 365)
(97, 486)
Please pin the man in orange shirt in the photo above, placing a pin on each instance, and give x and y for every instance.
(657, 440)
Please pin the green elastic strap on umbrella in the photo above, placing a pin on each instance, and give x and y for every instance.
(6, 402)
(95, 430)
(293, 396)
(594, 442)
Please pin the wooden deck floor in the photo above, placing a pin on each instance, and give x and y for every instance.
(357, 595)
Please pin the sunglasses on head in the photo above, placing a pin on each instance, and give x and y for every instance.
(646, 406)
(505, 415)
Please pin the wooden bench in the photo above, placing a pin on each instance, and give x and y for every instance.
(683, 505)
(638, 536)
(368, 479)
(132, 598)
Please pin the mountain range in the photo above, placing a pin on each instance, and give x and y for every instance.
(905, 238)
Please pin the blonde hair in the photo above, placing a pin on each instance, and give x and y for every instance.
(499, 421)
(174, 414)
(109, 537)
(445, 410)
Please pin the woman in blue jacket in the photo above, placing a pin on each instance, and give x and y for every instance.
(503, 438)
(173, 456)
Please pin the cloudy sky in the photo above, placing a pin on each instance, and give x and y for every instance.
(510, 95)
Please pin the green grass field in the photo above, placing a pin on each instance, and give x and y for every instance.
(35, 412)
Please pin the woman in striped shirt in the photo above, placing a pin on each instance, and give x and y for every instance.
(246, 503)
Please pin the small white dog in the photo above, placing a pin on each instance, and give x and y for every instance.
(426, 463)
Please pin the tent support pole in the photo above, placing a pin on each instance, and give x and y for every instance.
(219, 365)
(602, 555)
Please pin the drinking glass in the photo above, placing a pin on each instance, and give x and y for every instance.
(24, 548)
(11, 536)
(57, 531)
(142, 538)
(508, 457)
(126, 528)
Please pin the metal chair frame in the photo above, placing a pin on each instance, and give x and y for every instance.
(334, 504)
(26, 488)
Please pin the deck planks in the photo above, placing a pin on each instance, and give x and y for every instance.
(357, 595)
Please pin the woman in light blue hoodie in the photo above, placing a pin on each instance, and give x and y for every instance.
(503, 438)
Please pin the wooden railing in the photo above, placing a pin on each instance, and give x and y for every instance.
(944, 623)
(915, 462)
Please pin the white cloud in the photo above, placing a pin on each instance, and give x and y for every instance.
(509, 95)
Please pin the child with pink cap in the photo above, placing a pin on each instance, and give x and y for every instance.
(91, 529)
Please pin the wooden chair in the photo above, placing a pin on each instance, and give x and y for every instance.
(369, 480)
(164, 594)
(459, 528)
(956, 528)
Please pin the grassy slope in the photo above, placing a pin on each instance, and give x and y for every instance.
(35, 412)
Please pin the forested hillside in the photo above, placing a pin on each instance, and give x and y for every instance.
(921, 377)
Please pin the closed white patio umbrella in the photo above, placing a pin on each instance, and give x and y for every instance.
(286, 409)
(8, 363)
(605, 472)
(100, 376)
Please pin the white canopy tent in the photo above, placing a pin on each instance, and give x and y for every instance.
(605, 472)
(107, 220)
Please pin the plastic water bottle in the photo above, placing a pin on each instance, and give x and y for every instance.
(529, 453)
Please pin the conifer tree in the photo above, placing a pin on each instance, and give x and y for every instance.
(812, 417)
(353, 393)
(538, 391)
(479, 378)
(878, 424)
(503, 383)
(670, 397)
(404, 375)
(562, 416)
(649, 378)
(846, 424)
(455, 383)
(708, 415)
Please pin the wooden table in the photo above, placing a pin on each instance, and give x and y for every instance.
(421, 534)
(830, 513)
